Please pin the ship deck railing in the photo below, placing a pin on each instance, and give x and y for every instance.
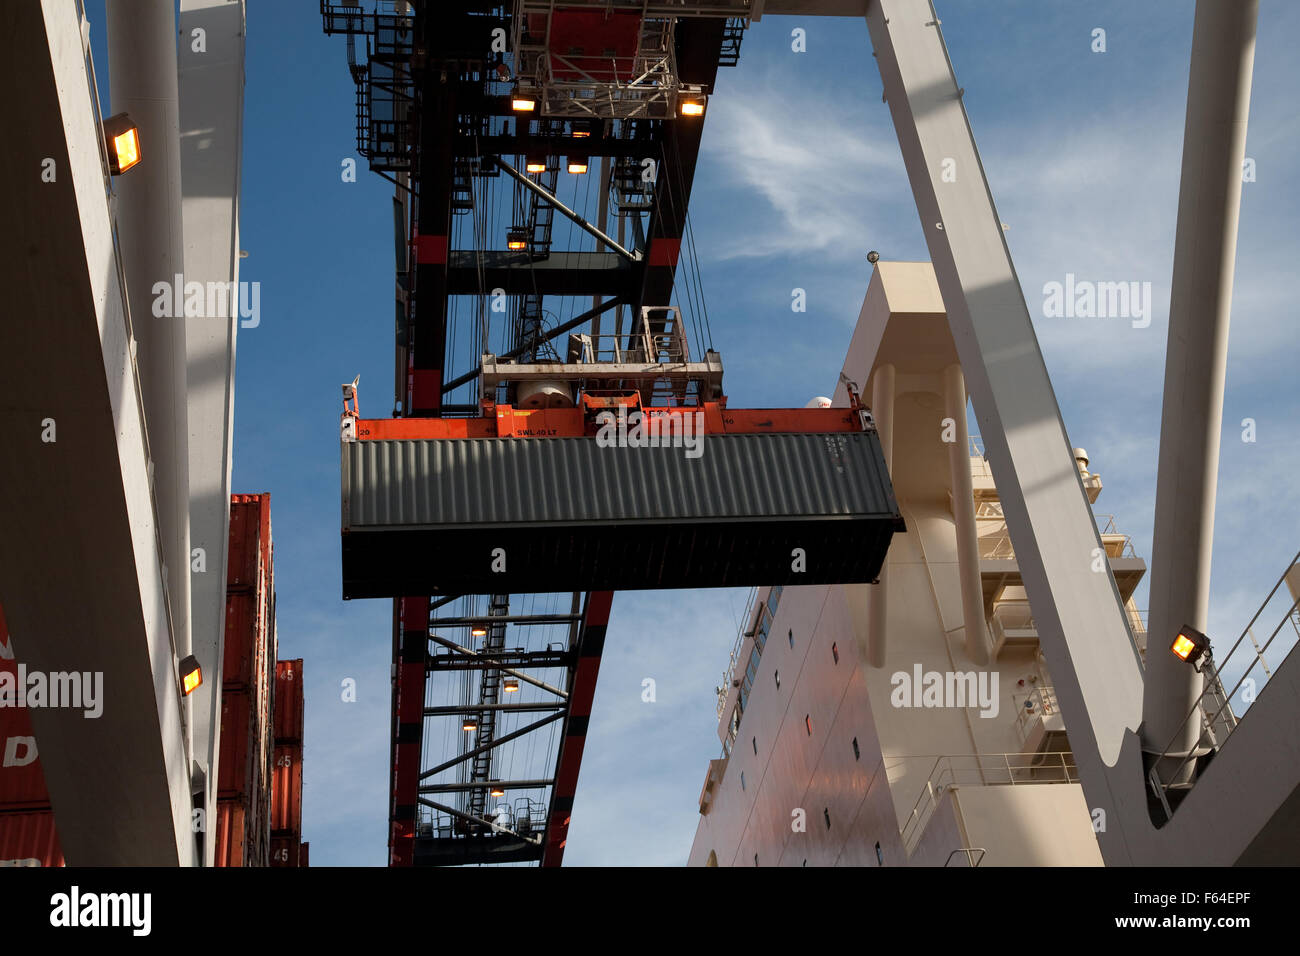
(983, 770)
(1218, 709)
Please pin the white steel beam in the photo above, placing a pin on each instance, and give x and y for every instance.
(81, 576)
(211, 141)
(1200, 307)
(142, 82)
(1080, 618)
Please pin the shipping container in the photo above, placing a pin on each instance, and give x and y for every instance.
(285, 851)
(288, 701)
(286, 790)
(229, 833)
(236, 764)
(245, 623)
(250, 541)
(245, 770)
(423, 516)
(22, 782)
(29, 839)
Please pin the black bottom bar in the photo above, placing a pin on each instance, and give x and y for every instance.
(601, 557)
(466, 850)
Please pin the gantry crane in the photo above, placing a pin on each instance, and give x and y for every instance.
(557, 467)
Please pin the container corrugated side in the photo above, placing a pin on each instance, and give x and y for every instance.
(286, 790)
(250, 539)
(22, 782)
(243, 615)
(235, 773)
(29, 839)
(285, 851)
(435, 483)
(229, 833)
(436, 516)
(288, 700)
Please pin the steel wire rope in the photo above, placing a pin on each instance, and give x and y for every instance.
(671, 195)
(689, 233)
(694, 272)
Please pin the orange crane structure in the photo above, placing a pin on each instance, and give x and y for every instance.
(589, 452)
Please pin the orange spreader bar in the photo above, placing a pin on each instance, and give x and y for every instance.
(509, 422)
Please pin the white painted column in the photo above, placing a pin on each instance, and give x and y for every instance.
(211, 116)
(1080, 618)
(142, 77)
(882, 409)
(1205, 251)
(963, 512)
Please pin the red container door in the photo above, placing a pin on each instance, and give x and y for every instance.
(286, 789)
(250, 541)
(235, 764)
(229, 833)
(288, 701)
(241, 639)
(29, 839)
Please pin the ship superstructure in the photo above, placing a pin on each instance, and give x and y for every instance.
(953, 751)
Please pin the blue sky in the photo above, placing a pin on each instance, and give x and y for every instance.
(800, 175)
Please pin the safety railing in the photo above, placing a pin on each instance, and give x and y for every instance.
(1037, 704)
(995, 537)
(996, 544)
(971, 859)
(1214, 707)
(1137, 620)
(984, 770)
(746, 618)
(1122, 548)
(979, 463)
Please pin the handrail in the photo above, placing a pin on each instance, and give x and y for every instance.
(727, 675)
(998, 544)
(943, 776)
(1048, 705)
(971, 861)
(1215, 683)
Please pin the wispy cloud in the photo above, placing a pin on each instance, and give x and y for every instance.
(643, 759)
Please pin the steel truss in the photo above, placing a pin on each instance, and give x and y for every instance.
(433, 116)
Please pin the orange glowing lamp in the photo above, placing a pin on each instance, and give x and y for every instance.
(1190, 645)
(123, 139)
(191, 675)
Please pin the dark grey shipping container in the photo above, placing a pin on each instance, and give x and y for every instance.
(540, 514)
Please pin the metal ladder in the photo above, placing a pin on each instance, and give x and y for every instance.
(489, 693)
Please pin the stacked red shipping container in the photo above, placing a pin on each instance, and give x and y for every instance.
(242, 830)
(27, 833)
(244, 767)
(286, 782)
